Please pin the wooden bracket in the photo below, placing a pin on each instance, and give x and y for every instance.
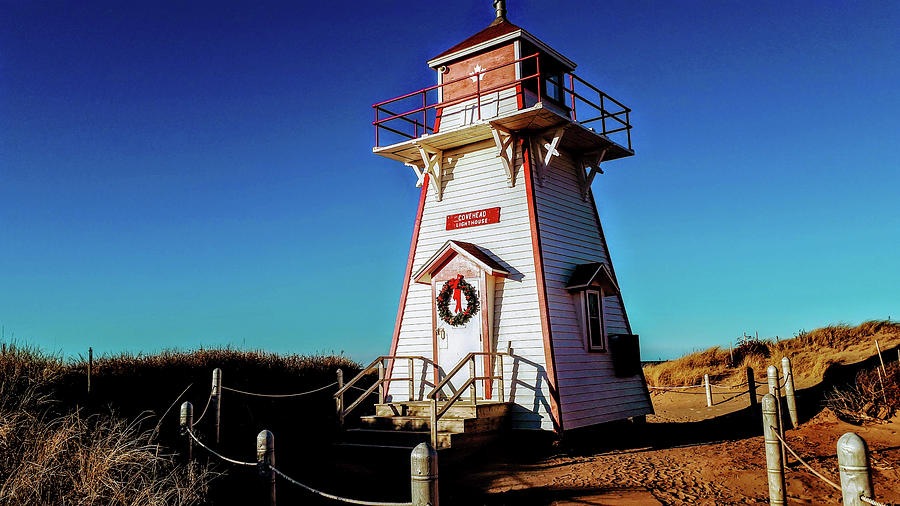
(549, 146)
(505, 140)
(589, 161)
(420, 175)
(431, 165)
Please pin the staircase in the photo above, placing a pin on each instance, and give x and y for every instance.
(403, 425)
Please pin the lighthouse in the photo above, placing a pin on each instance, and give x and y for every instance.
(509, 295)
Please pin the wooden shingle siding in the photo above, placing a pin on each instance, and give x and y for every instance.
(473, 179)
(589, 392)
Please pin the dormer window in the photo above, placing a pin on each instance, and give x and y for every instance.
(589, 284)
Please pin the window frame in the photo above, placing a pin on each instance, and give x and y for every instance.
(585, 322)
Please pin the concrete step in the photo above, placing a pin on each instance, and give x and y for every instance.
(445, 424)
(458, 410)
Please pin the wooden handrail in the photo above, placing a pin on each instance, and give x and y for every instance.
(378, 364)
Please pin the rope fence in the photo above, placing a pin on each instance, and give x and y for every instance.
(279, 396)
(332, 496)
(215, 453)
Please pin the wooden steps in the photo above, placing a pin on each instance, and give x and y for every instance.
(403, 425)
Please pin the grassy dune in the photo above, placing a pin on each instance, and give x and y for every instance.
(811, 354)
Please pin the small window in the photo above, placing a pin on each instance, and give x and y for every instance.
(553, 87)
(593, 316)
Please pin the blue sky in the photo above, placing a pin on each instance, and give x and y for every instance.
(185, 174)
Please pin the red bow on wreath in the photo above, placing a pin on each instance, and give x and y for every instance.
(457, 292)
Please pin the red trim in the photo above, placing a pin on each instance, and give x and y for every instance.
(542, 290)
(520, 99)
(395, 340)
(438, 111)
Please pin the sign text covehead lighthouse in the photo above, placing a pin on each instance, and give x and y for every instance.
(508, 256)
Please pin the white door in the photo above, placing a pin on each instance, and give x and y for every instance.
(454, 343)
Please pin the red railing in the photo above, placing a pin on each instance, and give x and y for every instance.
(414, 121)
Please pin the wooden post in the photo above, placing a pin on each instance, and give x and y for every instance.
(472, 390)
(217, 398)
(265, 461)
(501, 380)
(853, 463)
(186, 421)
(772, 376)
(751, 389)
(412, 384)
(774, 461)
(340, 398)
(90, 370)
(424, 475)
(881, 381)
(433, 419)
(708, 390)
(789, 391)
(381, 382)
(877, 347)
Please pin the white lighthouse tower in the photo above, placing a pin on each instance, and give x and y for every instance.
(510, 296)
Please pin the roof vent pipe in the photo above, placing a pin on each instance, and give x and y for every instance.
(500, 7)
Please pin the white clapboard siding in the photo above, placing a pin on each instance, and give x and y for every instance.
(589, 392)
(466, 113)
(473, 179)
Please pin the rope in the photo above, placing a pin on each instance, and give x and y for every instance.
(826, 480)
(873, 502)
(674, 388)
(279, 396)
(217, 454)
(336, 497)
(208, 400)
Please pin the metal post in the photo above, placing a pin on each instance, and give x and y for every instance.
(853, 463)
(537, 66)
(217, 398)
(628, 126)
(424, 113)
(774, 461)
(90, 370)
(751, 389)
(265, 460)
(708, 390)
(789, 396)
(340, 399)
(424, 475)
(472, 391)
(572, 87)
(412, 382)
(772, 377)
(381, 381)
(376, 127)
(603, 116)
(186, 421)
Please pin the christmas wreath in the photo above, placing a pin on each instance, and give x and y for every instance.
(456, 289)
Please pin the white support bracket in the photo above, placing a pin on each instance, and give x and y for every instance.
(545, 148)
(505, 140)
(431, 165)
(590, 161)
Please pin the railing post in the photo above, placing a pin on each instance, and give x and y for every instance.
(424, 113)
(217, 398)
(602, 116)
(628, 127)
(381, 381)
(751, 390)
(472, 391)
(340, 398)
(376, 126)
(434, 421)
(537, 66)
(572, 88)
(789, 391)
(708, 390)
(412, 381)
(265, 461)
(502, 380)
(186, 421)
(853, 463)
(424, 475)
(774, 462)
(775, 390)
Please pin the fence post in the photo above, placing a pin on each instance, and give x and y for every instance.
(265, 461)
(424, 475)
(853, 463)
(217, 397)
(340, 398)
(772, 376)
(789, 395)
(751, 389)
(186, 421)
(708, 390)
(774, 462)
(90, 370)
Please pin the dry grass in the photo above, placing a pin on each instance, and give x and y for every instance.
(872, 396)
(811, 354)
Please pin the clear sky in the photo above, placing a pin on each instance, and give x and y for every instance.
(185, 174)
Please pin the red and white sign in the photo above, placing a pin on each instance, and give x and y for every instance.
(473, 218)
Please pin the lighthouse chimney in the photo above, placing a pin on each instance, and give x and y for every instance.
(500, 7)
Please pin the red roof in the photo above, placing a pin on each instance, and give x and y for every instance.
(498, 28)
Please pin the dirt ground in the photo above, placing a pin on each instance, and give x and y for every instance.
(675, 460)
